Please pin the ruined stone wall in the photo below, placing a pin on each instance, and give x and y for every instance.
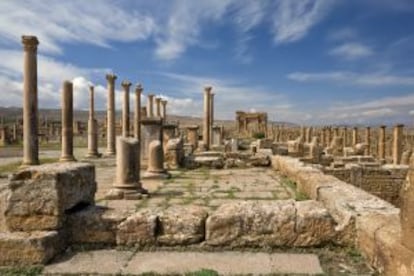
(384, 182)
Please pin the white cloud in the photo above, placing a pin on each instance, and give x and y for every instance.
(57, 22)
(294, 19)
(373, 79)
(351, 51)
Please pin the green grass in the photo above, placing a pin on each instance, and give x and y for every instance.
(12, 167)
(21, 271)
(299, 196)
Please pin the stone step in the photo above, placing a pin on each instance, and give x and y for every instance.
(166, 262)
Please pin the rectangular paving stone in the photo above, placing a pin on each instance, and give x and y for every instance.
(225, 263)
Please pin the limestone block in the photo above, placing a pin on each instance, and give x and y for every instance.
(40, 195)
(259, 160)
(95, 224)
(182, 225)
(314, 225)
(23, 248)
(138, 229)
(252, 224)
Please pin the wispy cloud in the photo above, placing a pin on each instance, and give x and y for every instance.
(57, 22)
(351, 51)
(293, 19)
(374, 79)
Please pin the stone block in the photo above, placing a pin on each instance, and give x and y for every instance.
(95, 225)
(138, 229)
(23, 248)
(251, 223)
(39, 196)
(182, 225)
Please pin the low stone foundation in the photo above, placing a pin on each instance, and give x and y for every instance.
(370, 223)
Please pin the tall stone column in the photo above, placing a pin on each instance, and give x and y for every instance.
(381, 143)
(164, 110)
(67, 122)
(211, 116)
(92, 127)
(150, 105)
(336, 132)
(329, 136)
(158, 107)
(309, 134)
(368, 141)
(30, 109)
(137, 112)
(354, 136)
(207, 122)
(345, 136)
(397, 144)
(110, 130)
(125, 108)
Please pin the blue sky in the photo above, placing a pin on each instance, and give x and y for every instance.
(303, 61)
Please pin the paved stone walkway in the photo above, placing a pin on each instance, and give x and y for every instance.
(224, 263)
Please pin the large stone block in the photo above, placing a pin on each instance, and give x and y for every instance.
(252, 224)
(182, 225)
(39, 196)
(22, 248)
(95, 225)
(138, 229)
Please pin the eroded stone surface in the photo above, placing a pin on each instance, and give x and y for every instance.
(138, 229)
(39, 196)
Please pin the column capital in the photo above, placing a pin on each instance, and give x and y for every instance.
(111, 77)
(208, 89)
(126, 84)
(91, 87)
(139, 88)
(158, 99)
(383, 126)
(150, 96)
(30, 43)
(164, 102)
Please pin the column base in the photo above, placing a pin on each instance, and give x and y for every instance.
(29, 163)
(93, 155)
(162, 174)
(67, 159)
(110, 154)
(118, 193)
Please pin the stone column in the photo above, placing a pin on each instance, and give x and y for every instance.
(164, 110)
(110, 130)
(150, 105)
(309, 134)
(67, 122)
(368, 141)
(137, 112)
(156, 161)
(207, 119)
(336, 132)
(397, 144)
(329, 136)
(92, 127)
(125, 108)
(354, 136)
(127, 178)
(211, 116)
(345, 136)
(30, 109)
(158, 107)
(381, 143)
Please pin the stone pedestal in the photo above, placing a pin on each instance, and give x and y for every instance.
(151, 129)
(192, 136)
(110, 130)
(30, 109)
(67, 122)
(168, 131)
(127, 179)
(156, 161)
